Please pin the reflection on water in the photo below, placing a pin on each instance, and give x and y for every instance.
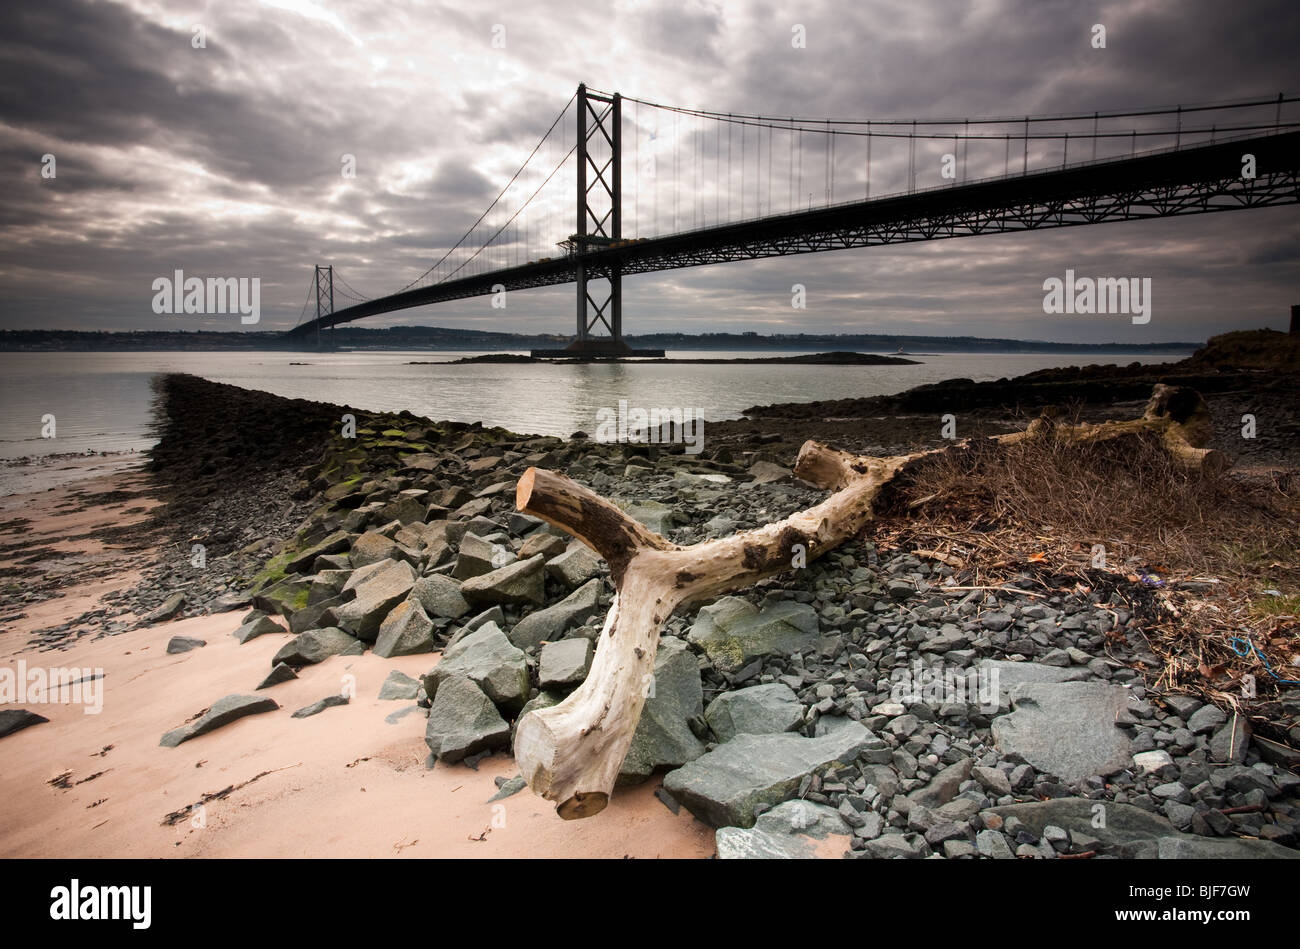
(101, 400)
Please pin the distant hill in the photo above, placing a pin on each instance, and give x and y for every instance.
(442, 338)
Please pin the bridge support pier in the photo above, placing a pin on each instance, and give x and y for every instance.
(600, 227)
(324, 299)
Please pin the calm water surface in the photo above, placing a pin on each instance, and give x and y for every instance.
(101, 401)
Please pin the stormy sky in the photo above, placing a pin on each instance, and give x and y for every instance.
(224, 158)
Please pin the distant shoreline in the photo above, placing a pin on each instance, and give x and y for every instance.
(809, 359)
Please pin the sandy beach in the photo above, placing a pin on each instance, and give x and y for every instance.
(345, 783)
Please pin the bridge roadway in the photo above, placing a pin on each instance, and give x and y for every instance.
(1190, 180)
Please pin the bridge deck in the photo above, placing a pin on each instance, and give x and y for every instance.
(1190, 180)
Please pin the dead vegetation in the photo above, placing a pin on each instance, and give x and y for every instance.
(1216, 555)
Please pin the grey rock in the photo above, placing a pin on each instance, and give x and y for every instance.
(315, 708)
(554, 621)
(487, 658)
(1066, 729)
(575, 566)
(259, 626)
(943, 786)
(1231, 742)
(439, 596)
(727, 785)
(317, 645)
(180, 644)
(992, 845)
(786, 832)
(1206, 719)
(564, 663)
(757, 710)
(463, 721)
(663, 736)
(478, 556)
(223, 712)
(734, 632)
(508, 788)
(281, 673)
(16, 719)
(405, 631)
(399, 685)
(376, 595)
(518, 584)
(170, 609)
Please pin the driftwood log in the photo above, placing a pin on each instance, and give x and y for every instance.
(571, 753)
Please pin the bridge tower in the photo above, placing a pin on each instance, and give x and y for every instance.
(324, 299)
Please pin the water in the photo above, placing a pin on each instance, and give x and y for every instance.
(101, 401)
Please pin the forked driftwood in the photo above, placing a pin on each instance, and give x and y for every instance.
(571, 753)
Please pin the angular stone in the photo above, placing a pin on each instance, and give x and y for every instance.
(546, 544)
(943, 786)
(1206, 719)
(478, 556)
(734, 632)
(786, 832)
(317, 645)
(564, 663)
(519, 583)
(180, 644)
(993, 780)
(315, 708)
(223, 712)
(335, 543)
(486, 658)
(406, 631)
(551, 623)
(254, 628)
(372, 547)
(170, 609)
(463, 721)
(280, 673)
(663, 736)
(757, 710)
(1006, 676)
(1066, 729)
(375, 596)
(16, 719)
(399, 685)
(1231, 742)
(726, 785)
(440, 596)
(655, 515)
(575, 566)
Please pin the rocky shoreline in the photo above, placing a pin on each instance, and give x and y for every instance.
(876, 694)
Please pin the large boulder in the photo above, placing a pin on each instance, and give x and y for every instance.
(223, 712)
(726, 786)
(478, 556)
(757, 710)
(663, 736)
(564, 663)
(487, 658)
(372, 547)
(405, 631)
(440, 596)
(575, 566)
(733, 631)
(518, 584)
(788, 831)
(463, 721)
(317, 645)
(1066, 728)
(382, 590)
(554, 621)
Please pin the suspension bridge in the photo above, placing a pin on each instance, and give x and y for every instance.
(711, 187)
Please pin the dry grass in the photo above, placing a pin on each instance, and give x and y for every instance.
(1045, 503)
